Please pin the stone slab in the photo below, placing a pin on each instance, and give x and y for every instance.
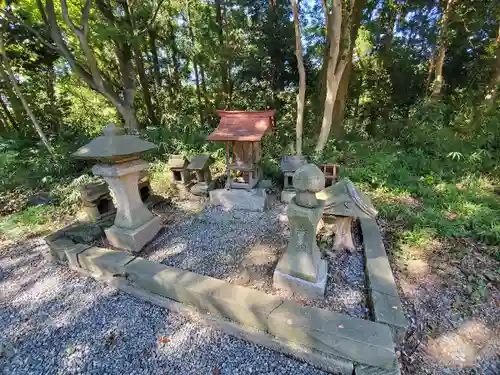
(378, 270)
(360, 369)
(239, 199)
(320, 360)
(287, 196)
(202, 189)
(72, 255)
(389, 310)
(57, 245)
(133, 240)
(100, 262)
(304, 288)
(335, 334)
(237, 303)
(265, 184)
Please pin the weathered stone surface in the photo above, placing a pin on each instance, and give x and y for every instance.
(360, 369)
(311, 290)
(239, 304)
(133, 240)
(240, 199)
(202, 188)
(113, 143)
(200, 162)
(100, 262)
(378, 270)
(335, 334)
(287, 196)
(83, 232)
(389, 310)
(344, 199)
(57, 245)
(324, 362)
(72, 255)
(302, 257)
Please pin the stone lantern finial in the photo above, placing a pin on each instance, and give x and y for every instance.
(307, 181)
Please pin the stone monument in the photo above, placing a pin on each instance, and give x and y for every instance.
(288, 165)
(301, 269)
(96, 200)
(201, 166)
(120, 166)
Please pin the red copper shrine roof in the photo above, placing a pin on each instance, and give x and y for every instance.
(242, 125)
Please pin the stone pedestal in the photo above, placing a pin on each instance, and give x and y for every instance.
(134, 224)
(238, 199)
(301, 269)
(287, 195)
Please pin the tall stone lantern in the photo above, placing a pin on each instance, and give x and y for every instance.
(301, 269)
(120, 166)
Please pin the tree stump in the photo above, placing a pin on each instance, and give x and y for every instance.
(343, 234)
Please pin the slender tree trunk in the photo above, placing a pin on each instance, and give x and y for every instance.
(5, 70)
(225, 86)
(195, 63)
(438, 83)
(492, 88)
(8, 115)
(126, 109)
(143, 79)
(154, 56)
(302, 79)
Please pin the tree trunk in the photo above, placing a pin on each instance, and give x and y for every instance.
(438, 83)
(154, 56)
(302, 79)
(143, 79)
(195, 63)
(7, 113)
(225, 87)
(339, 107)
(492, 88)
(126, 109)
(8, 72)
(336, 66)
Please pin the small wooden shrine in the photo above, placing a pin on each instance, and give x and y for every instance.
(242, 132)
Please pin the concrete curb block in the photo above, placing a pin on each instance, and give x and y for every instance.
(331, 341)
(383, 296)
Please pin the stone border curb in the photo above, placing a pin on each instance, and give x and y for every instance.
(383, 297)
(330, 341)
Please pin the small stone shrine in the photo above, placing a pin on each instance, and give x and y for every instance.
(242, 132)
(177, 165)
(201, 166)
(120, 166)
(97, 202)
(288, 165)
(344, 202)
(301, 269)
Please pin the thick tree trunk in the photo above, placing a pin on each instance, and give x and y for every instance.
(438, 83)
(143, 79)
(126, 109)
(302, 79)
(492, 88)
(8, 72)
(8, 115)
(336, 66)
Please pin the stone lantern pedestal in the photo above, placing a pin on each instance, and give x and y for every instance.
(301, 269)
(121, 167)
(134, 224)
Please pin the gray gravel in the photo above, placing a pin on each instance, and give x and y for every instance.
(54, 321)
(244, 247)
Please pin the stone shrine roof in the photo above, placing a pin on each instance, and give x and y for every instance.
(244, 126)
(113, 144)
(177, 162)
(344, 199)
(291, 163)
(200, 162)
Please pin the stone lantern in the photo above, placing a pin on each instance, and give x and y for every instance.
(301, 269)
(120, 166)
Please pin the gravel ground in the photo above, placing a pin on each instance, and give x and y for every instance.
(54, 321)
(244, 247)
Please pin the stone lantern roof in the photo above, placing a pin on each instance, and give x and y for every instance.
(114, 145)
(344, 199)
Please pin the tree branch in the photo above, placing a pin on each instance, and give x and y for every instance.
(85, 17)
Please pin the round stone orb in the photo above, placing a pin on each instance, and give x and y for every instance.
(309, 178)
